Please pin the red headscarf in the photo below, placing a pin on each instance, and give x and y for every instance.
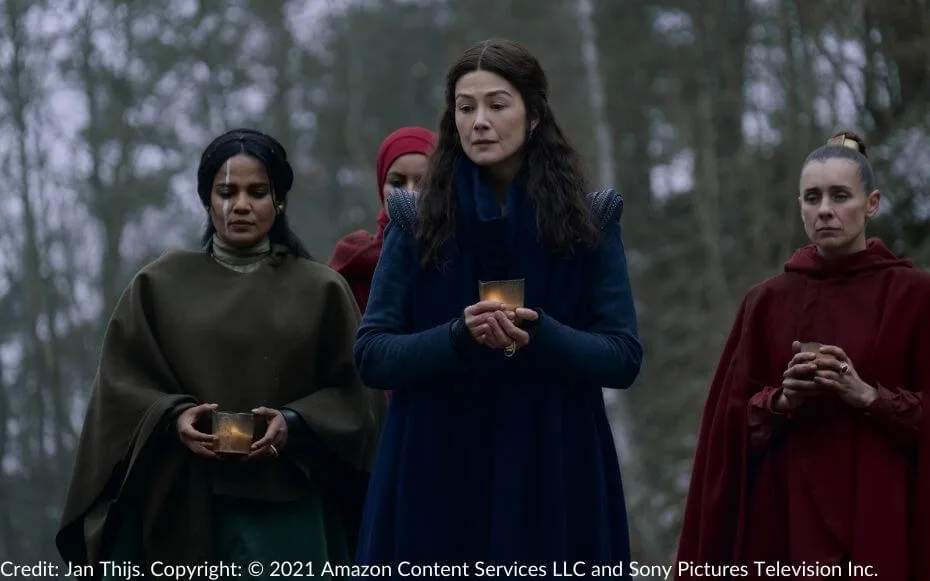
(356, 255)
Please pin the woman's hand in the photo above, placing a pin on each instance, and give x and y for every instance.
(798, 383)
(198, 442)
(483, 324)
(275, 437)
(838, 375)
(509, 324)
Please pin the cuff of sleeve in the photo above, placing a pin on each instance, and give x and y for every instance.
(532, 327)
(768, 404)
(463, 343)
(883, 402)
(298, 432)
(171, 420)
(540, 332)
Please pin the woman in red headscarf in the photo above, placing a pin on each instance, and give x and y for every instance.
(402, 162)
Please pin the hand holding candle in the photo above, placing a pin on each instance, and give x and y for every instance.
(481, 323)
(821, 359)
(836, 374)
(275, 436)
(798, 378)
(196, 441)
(494, 322)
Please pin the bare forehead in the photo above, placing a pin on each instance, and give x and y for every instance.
(241, 167)
(477, 84)
(830, 172)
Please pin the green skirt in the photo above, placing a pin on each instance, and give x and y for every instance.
(302, 534)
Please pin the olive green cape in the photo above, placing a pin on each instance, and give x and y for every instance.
(187, 330)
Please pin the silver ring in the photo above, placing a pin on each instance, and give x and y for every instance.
(509, 350)
(274, 450)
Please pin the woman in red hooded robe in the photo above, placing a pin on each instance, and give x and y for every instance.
(806, 461)
(402, 162)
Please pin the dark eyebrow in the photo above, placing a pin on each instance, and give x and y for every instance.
(494, 93)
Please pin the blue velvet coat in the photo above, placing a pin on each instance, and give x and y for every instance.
(485, 458)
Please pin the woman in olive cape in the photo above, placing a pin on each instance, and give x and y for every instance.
(250, 324)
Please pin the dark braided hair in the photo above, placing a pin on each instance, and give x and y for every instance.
(273, 157)
(847, 145)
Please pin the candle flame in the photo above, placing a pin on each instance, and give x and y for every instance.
(235, 431)
(233, 438)
(508, 293)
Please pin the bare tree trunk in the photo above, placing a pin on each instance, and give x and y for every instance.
(355, 96)
(7, 537)
(797, 94)
(718, 133)
(591, 58)
(43, 342)
(621, 420)
(605, 164)
(103, 205)
(32, 261)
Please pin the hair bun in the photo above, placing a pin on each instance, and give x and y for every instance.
(848, 139)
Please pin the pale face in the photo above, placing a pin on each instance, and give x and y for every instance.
(490, 117)
(834, 207)
(242, 206)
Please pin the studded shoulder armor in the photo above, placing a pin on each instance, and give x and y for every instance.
(402, 207)
(606, 207)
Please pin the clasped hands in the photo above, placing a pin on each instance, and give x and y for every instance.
(495, 326)
(270, 444)
(809, 375)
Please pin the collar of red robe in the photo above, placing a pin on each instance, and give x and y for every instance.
(876, 256)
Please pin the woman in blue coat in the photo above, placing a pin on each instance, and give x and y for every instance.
(497, 448)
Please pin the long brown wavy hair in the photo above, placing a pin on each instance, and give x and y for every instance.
(551, 169)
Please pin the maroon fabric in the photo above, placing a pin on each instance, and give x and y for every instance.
(829, 482)
(356, 255)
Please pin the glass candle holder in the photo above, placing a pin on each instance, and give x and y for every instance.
(508, 292)
(234, 432)
(811, 347)
(821, 359)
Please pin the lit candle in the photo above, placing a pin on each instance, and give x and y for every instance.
(232, 438)
(507, 292)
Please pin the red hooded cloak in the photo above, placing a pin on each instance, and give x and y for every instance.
(829, 483)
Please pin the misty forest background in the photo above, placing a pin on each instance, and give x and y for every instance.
(699, 112)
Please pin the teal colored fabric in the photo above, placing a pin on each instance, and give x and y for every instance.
(305, 533)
